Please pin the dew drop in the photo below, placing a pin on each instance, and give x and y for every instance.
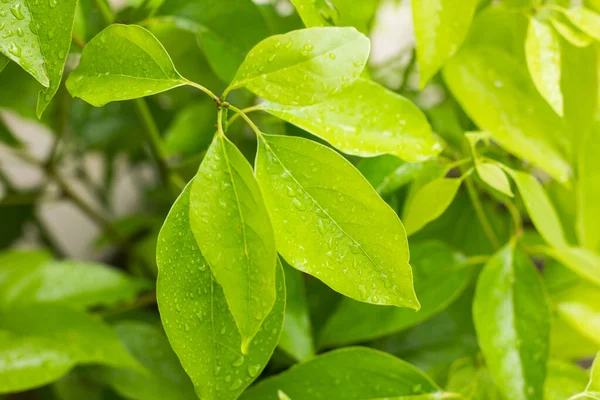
(253, 370)
(17, 12)
(298, 204)
(236, 385)
(52, 3)
(332, 56)
(238, 362)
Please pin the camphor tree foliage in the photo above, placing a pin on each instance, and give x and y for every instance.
(321, 226)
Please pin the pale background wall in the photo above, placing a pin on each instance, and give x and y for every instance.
(71, 229)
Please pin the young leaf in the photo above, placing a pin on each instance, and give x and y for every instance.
(196, 317)
(226, 30)
(30, 362)
(497, 93)
(304, 66)
(231, 225)
(342, 374)
(164, 378)
(334, 226)
(75, 284)
(440, 28)
(494, 176)
(588, 192)
(87, 339)
(563, 380)
(539, 207)
(542, 49)
(365, 119)
(513, 324)
(429, 203)
(569, 31)
(586, 20)
(122, 62)
(440, 277)
(296, 337)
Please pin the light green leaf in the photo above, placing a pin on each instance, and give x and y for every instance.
(342, 374)
(40, 39)
(586, 20)
(594, 383)
(429, 202)
(226, 30)
(539, 207)
(16, 260)
(542, 49)
(3, 62)
(563, 380)
(333, 225)
(164, 377)
(494, 176)
(296, 337)
(513, 324)
(569, 31)
(497, 93)
(111, 67)
(196, 318)
(76, 284)
(231, 225)
(581, 261)
(440, 277)
(304, 66)
(366, 120)
(472, 380)
(316, 12)
(30, 362)
(87, 339)
(588, 192)
(440, 27)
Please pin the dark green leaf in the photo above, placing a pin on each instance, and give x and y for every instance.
(334, 226)
(197, 320)
(232, 228)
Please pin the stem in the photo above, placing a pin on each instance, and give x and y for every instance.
(246, 118)
(152, 136)
(477, 260)
(485, 223)
(205, 90)
(107, 14)
(516, 216)
(245, 111)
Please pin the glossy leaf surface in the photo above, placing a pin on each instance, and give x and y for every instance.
(317, 62)
(513, 324)
(232, 228)
(365, 120)
(196, 319)
(334, 226)
(111, 67)
(351, 373)
(440, 28)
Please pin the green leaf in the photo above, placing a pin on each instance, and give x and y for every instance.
(3, 62)
(196, 318)
(192, 129)
(542, 49)
(513, 324)
(75, 386)
(296, 337)
(111, 67)
(366, 120)
(87, 339)
(304, 66)
(440, 277)
(342, 374)
(388, 173)
(30, 362)
(494, 176)
(539, 207)
(334, 226)
(569, 31)
(586, 20)
(316, 12)
(497, 93)
(472, 380)
(588, 192)
(429, 202)
(7, 138)
(440, 27)
(76, 284)
(231, 225)
(226, 30)
(164, 379)
(594, 383)
(337, 12)
(563, 380)
(581, 261)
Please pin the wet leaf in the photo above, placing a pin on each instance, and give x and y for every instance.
(333, 226)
